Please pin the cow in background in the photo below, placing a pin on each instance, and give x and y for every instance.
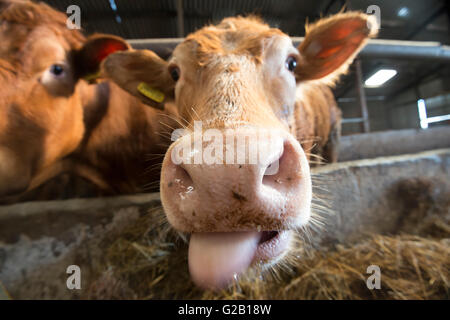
(237, 76)
(52, 121)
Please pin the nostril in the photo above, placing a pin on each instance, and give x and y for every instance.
(284, 170)
(272, 172)
(270, 168)
(273, 168)
(182, 178)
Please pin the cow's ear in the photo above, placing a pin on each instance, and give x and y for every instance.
(143, 74)
(96, 48)
(331, 44)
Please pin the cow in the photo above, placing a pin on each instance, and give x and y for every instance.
(52, 120)
(229, 78)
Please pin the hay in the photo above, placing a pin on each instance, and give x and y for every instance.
(412, 267)
(148, 260)
(151, 263)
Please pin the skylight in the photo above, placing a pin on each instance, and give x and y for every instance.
(380, 77)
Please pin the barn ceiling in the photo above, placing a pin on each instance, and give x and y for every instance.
(417, 20)
(401, 19)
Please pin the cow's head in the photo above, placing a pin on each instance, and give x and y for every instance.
(41, 63)
(239, 78)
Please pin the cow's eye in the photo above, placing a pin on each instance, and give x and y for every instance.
(291, 63)
(175, 73)
(57, 69)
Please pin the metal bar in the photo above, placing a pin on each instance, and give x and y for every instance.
(162, 47)
(362, 96)
(353, 99)
(180, 19)
(376, 48)
(352, 120)
(414, 50)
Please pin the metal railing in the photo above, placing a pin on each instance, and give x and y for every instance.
(376, 48)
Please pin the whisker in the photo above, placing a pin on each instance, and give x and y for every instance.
(177, 120)
(168, 126)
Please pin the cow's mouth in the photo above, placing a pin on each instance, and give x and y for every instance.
(271, 246)
(216, 258)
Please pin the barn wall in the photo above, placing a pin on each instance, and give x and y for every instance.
(366, 195)
(377, 116)
(400, 112)
(403, 113)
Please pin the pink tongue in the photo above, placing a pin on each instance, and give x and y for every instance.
(214, 258)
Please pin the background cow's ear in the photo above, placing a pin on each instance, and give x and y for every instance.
(143, 74)
(94, 51)
(331, 44)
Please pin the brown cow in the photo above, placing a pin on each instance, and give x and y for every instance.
(235, 77)
(40, 117)
(48, 113)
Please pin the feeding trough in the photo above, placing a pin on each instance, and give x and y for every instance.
(390, 211)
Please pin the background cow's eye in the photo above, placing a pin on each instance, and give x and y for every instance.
(175, 73)
(291, 63)
(57, 69)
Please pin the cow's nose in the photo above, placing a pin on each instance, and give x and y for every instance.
(236, 190)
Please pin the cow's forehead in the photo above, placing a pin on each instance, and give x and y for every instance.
(20, 20)
(34, 47)
(43, 47)
(13, 36)
(236, 36)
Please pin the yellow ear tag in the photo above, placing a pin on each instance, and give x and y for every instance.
(92, 76)
(151, 93)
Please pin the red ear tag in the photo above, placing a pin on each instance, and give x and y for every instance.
(109, 48)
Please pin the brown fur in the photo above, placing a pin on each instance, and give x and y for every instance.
(317, 119)
(222, 65)
(125, 140)
(237, 36)
(37, 128)
(351, 32)
(238, 74)
(318, 122)
(97, 131)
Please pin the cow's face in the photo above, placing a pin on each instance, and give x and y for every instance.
(41, 63)
(229, 75)
(238, 80)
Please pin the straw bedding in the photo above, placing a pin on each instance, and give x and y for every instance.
(149, 261)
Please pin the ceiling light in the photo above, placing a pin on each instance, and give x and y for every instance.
(403, 12)
(113, 5)
(380, 77)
